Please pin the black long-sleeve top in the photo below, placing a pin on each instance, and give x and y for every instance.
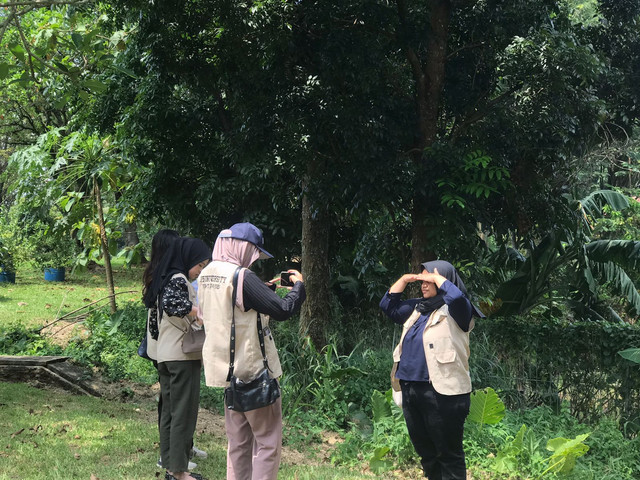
(256, 295)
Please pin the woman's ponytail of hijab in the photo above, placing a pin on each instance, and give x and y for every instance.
(160, 243)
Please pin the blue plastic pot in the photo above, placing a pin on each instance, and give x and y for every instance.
(54, 274)
(9, 277)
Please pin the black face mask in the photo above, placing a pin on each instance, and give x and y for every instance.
(428, 305)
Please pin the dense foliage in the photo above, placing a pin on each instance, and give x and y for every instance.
(358, 135)
(363, 138)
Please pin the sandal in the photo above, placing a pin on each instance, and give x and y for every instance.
(197, 476)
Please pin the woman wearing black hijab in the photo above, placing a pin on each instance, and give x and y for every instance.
(432, 365)
(179, 372)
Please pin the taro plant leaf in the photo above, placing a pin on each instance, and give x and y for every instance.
(631, 354)
(377, 462)
(380, 406)
(507, 457)
(486, 407)
(565, 452)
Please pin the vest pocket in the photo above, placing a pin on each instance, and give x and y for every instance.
(447, 356)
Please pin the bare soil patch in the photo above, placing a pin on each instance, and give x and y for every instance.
(209, 422)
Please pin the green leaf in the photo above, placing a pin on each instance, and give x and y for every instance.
(126, 71)
(380, 406)
(620, 281)
(4, 70)
(94, 85)
(632, 354)
(507, 457)
(346, 372)
(486, 407)
(622, 252)
(18, 50)
(377, 463)
(566, 451)
(594, 202)
(78, 40)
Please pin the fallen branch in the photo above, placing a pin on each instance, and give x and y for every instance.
(82, 308)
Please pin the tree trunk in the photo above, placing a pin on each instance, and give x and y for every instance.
(429, 80)
(420, 251)
(130, 235)
(105, 247)
(315, 312)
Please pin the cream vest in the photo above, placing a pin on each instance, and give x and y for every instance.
(446, 349)
(171, 331)
(152, 345)
(214, 297)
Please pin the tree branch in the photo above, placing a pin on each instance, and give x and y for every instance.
(477, 115)
(465, 47)
(33, 55)
(82, 308)
(44, 3)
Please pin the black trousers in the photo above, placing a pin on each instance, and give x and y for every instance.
(436, 427)
(180, 390)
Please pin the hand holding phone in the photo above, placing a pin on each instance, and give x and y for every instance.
(285, 279)
(288, 278)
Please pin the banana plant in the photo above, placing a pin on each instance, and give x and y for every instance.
(568, 266)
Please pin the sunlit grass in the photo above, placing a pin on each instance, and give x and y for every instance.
(35, 302)
(51, 435)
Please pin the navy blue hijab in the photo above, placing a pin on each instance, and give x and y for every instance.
(449, 272)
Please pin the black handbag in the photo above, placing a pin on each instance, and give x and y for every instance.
(261, 391)
(142, 349)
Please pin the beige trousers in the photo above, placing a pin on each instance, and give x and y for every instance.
(254, 443)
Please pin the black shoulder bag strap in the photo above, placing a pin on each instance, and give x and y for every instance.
(232, 343)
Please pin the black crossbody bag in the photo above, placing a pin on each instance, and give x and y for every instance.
(260, 392)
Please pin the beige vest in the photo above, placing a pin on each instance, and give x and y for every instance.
(214, 297)
(152, 345)
(171, 331)
(446, 348)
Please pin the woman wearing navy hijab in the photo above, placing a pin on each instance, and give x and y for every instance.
(171, 291)
(431, 364)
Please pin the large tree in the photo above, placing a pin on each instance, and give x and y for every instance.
(354, 130)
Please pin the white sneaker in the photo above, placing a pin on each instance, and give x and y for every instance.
(196, 452)
(191, 465)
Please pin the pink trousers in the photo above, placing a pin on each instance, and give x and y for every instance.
(254, 443)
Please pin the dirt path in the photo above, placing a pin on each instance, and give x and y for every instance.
(211, 423)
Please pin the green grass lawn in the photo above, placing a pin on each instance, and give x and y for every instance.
(50, 435)
(34, 302)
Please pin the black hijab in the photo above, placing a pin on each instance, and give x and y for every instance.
(184, 254)
(449, 272)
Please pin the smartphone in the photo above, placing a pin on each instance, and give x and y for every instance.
(284, 279)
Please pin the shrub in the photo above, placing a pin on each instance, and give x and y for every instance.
(113, 343)
(16, 339)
